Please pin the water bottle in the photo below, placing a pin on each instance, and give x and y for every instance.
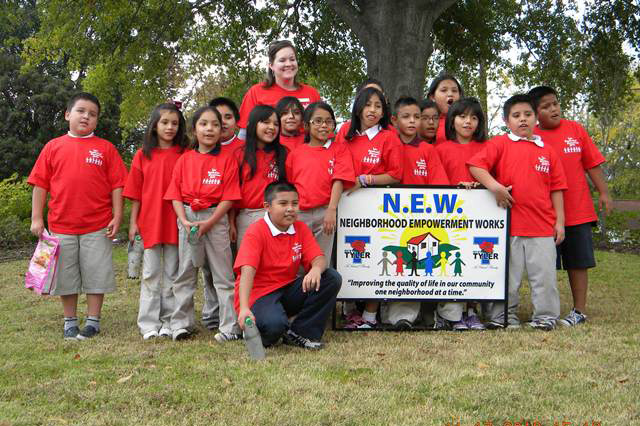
(252, 340)
(134, 257)
(197, 247)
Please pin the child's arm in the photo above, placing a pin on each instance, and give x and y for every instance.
(205, 226)
(383, 179)
(133, 220)
(558, 205)
(247, 274)
(597, 177)
(503, 197)
(178, 207)
(116, 201)
(312, 279)
(233, 230)
(329, 224)
(38, 200)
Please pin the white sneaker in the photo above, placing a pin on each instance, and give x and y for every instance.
(226, 337)
(150, 335)
(164, 332)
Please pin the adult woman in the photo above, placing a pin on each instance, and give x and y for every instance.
(281, 81)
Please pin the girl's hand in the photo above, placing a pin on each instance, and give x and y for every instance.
(133, 231)
(204, 226)
(112, 228)
(187, 225)
(469, 185)
(233, 232)
(558, 233)
(503, 196)
(37, 227)
(242, 316)
(329, 224)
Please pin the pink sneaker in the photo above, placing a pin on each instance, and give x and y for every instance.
(353, 320)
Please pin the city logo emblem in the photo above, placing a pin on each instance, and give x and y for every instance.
(357, 248)
(486, 252)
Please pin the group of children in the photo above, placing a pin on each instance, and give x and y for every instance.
(190, 203)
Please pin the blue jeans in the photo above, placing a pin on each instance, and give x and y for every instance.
(312, 309)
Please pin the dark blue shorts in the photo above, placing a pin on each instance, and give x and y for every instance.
(576, 251)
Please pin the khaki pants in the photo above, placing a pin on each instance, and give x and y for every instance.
(244, 219)
(314, 219)
(536, 255)
(159, 270)
(217, 253)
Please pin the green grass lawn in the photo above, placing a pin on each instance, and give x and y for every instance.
(587, 375)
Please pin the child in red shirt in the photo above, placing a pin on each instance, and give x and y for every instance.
(154, 219)
(203, 188)
(429, 120)
(84, 175)
(320, 168)
(267, 289)
(527, 176)
(578, 154)
(444, 91)
(281, 81)
(368, 82)
(261, 161)
(377, 160)
(290, 111)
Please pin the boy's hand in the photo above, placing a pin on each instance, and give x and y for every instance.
(133, 230)
(329, 224)
(605, 201)
(112, 228)
(558, 233)
(233, 233)
(469, 185)
(37, 227)
(503, 196)
(311, 280)
(242, 316)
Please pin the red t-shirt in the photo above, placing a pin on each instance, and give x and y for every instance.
(276, 259)
(454, 157)
(534, 172)
(291, 142)
(344, 129)
(577, 153)
(313, 169)
(204, 179)
(148, 180)
(252, 189)
(229, 148)
(441, 134)
(380, 155)
(258, 94)
(422, 165)
(80, 174)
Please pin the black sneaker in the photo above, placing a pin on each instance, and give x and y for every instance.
(294, 339)
(440, 323)
(88, 332)
(181, 334)
(403, 325)
(544, 325)
(71, 333)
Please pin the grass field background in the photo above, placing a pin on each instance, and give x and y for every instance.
(584, 375)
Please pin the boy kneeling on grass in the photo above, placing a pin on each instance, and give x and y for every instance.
(526, 175)
(267, 289)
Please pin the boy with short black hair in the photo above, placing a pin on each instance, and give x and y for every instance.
(578, 154)
(84, 175)
(268, 261)
(429, 120)
(528, 177)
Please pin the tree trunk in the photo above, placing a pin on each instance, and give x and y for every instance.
(396, 37)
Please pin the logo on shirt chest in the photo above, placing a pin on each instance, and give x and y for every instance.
(332, 163)
(297, 252)
(372, 157)
(273, 171)
(543, 164)
(421, 168)
(95, 157)
(573, 146)
(213, 178)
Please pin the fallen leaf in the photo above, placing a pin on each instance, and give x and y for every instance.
(226, 381)
(76, 356)
(381, 354)
(93, 383)
(623, 380)
(482, 365)
(125, 378)
(152, 366)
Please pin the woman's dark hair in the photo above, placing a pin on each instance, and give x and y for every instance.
(439, 79)
(361, 101)
(150, 140)
(308, 114)
(274, 48)
(194, 121)
(466, 106)
(258, 114)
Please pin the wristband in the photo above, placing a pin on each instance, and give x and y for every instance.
(369, 179)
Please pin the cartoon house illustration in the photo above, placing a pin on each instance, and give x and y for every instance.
(422, 244)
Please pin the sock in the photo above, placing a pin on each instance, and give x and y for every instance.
(93, 322)
(70, 322)
(369, 316)
(348, 307)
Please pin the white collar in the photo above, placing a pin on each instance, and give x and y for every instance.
(275, 231)
(371, 132)
(90, 135)
(327, 144)
(229, 141)
(536, 139)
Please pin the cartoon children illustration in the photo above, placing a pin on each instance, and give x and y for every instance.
(385, 262)
(399, 264)
(413, 262)
(428, 265)
(457, 270)
(443, 264)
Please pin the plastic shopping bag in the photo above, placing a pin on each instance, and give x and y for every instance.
(42, 268)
